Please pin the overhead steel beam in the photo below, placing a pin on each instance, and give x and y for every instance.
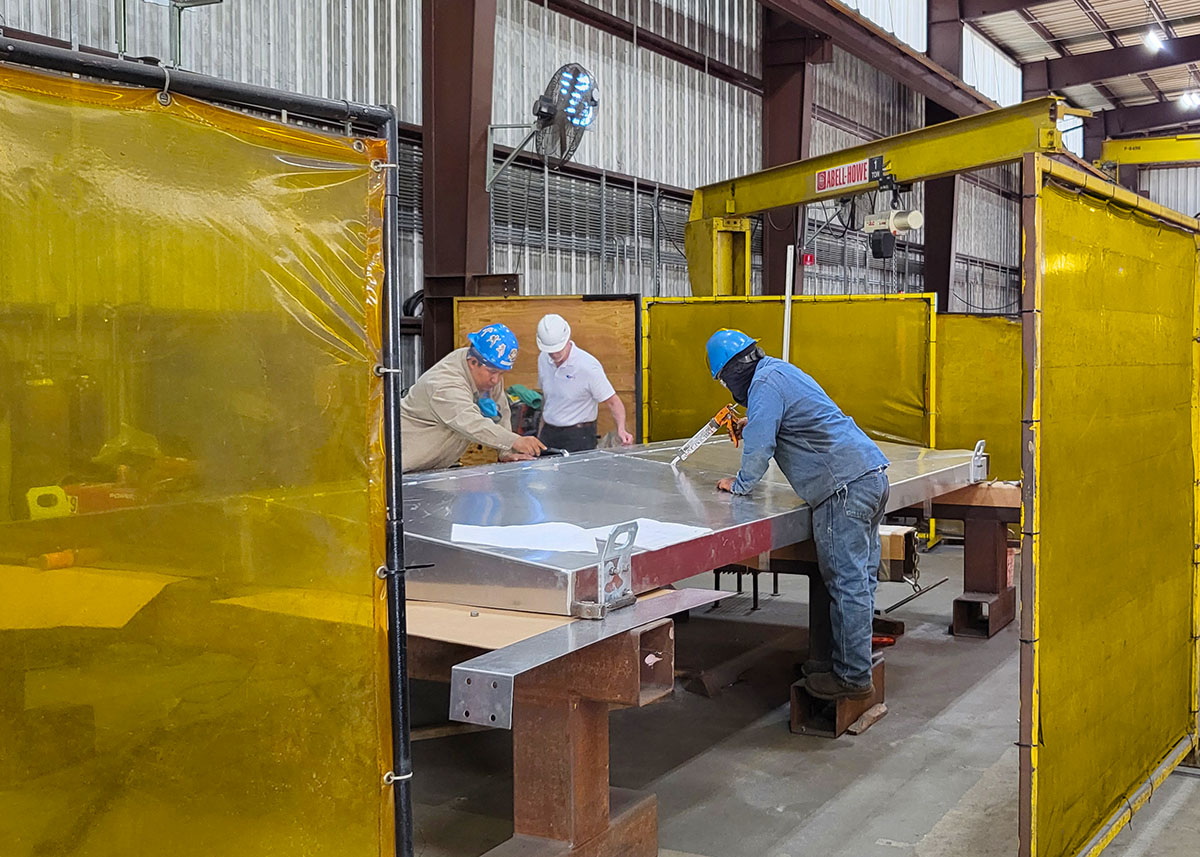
(1145, 117)
(1093, 15)
(1053, 75)
(458, 46)
(789, 53)
(972, 10)
(971, 143)
(945, 40)
(944, 30)
(589, 14)
(856, 35)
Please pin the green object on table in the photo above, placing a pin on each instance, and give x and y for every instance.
(523, 394)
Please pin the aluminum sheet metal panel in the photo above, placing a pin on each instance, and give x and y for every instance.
(603, 488)
(1108, 621)
(871, 353)
(191, 507)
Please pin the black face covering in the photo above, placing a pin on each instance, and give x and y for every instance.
(737, 376)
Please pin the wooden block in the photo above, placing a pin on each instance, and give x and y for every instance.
(870, 717)
(812, 716)
(898, 543)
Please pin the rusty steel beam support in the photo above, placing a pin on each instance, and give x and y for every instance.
(944, 28)
(945, 38)
(856, 35)
(562, 803)
(1125, 121)
(1102, 26)
(589, 14)
(989, 600)
(457, 38)
(972, 10)
(789, 54)
(1053, 75)
(1093, 137)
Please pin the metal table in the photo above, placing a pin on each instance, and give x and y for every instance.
(606, 487)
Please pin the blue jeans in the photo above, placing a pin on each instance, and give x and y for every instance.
(846, 535)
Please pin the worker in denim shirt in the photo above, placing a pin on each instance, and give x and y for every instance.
(835, 468)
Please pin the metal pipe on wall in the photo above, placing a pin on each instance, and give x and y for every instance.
(790, 284)
(120, 21)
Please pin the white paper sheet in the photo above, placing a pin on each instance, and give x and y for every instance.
(559, 536)
(652, 534)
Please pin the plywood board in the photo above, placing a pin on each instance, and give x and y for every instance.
(606, 328)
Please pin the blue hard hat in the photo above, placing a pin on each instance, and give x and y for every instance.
(723, 346)
(496, 345)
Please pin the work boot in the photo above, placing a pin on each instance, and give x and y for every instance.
(829, 686)
(812, 667)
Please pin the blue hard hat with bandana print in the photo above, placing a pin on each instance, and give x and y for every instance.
(495, 345)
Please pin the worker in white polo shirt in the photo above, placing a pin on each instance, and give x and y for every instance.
(573, 385)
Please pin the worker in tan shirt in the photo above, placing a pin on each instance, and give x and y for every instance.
(460, 401)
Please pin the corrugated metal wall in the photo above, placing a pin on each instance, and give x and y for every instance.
(727, 31)
(989, 70)
(361, 50)
(659, 119)
(1174, 187)
(866, 102)
(905, 19)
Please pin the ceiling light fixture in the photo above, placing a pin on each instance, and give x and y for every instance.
(1153, 40)
(1191, 100)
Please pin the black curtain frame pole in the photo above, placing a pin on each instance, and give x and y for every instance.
(394, 573)
(378, 121)
(200, 86)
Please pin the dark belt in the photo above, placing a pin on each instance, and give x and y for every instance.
(576, 438)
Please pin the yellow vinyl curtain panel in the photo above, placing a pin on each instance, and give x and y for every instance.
(193, 655)
(1113, 512)
(979, 380)
(870, 353)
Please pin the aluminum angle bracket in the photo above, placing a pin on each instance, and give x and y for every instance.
(481, 689)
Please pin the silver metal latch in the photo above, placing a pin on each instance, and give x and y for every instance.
(614, 573)
(979, 464)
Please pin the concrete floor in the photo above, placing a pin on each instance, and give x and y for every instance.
(936, 777)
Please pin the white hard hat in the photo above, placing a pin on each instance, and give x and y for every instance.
(553, 333)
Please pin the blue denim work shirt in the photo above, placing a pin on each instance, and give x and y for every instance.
(818, 448)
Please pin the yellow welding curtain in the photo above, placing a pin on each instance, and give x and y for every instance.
(870, 353)
(192, 643)
(1113, 512)
(979, 388)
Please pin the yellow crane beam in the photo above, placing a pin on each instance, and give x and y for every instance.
(971, 143)
(717, 236)
(1184, 148)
